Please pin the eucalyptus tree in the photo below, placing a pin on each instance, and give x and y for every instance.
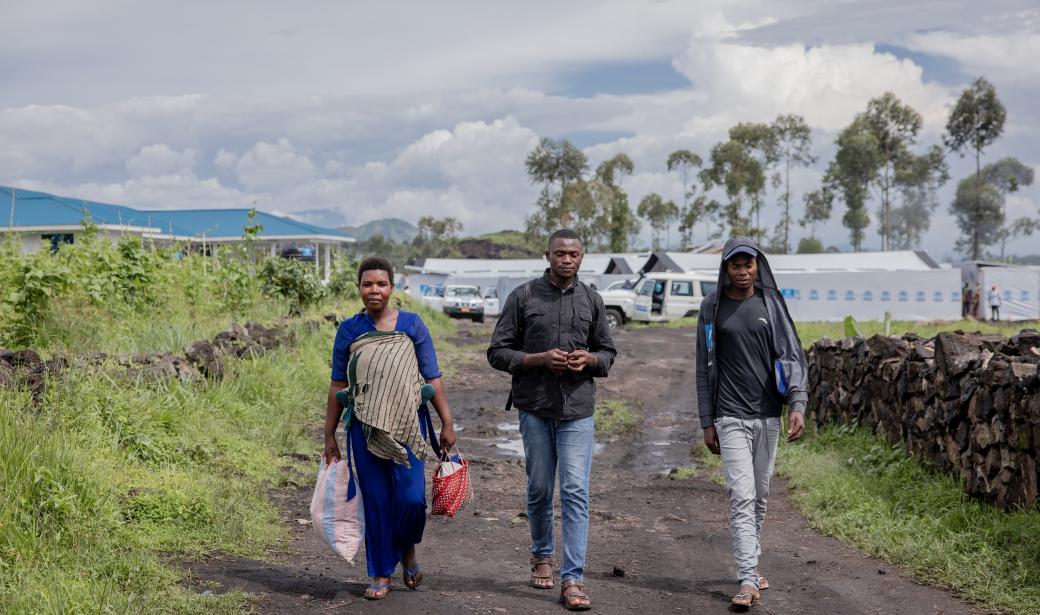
(620, 223)
(793, 141)
(742, 177)
(659, 213)
(874, 154)
(977, 208)
(684, 161)
(555, 164)
(1007, 175)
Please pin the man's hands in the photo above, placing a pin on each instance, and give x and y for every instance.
(559, 361)
(711, 440)
(795, 426)
(580, 359)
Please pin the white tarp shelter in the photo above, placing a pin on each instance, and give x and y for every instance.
(1019, 289)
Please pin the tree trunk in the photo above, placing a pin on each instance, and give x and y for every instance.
(787, 208)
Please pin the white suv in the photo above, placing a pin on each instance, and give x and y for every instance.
(464, 301)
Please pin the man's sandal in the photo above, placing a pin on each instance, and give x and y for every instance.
(541, 580)
(377, 592)
(412, 578)
(747, 597)
(573, 596)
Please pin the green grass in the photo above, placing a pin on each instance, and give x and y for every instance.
(104, 478)
(615, 417)
(809, 332)
(856, 487)
(812, 331)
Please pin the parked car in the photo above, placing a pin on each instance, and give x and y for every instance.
(491, 306)
(464, 301)
(668, 296)
(433, 296)
(620, 300)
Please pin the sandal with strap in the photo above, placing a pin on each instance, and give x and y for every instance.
(541, 580)
(412, 578)
(747, 597)
(762, 583)
(377, 592)
(573, 596)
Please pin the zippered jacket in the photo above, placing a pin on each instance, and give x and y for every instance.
(789, 363)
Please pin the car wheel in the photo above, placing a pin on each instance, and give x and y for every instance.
(479, 319)
(614, 318)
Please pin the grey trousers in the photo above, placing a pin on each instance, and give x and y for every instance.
(748, 453)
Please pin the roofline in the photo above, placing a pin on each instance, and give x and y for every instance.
(928, 260)
(260, 238)
(78, 228)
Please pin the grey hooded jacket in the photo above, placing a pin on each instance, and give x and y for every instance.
(789, 362)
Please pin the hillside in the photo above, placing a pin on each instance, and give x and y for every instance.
(395, 229)
(503, 244)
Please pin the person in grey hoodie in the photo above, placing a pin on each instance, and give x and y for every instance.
(750, 363)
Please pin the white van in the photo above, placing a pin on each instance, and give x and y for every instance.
(668, 296)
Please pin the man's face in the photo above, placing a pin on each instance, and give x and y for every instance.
(564, 256)
(742, 270)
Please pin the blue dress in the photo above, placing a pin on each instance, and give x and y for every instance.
(394, 496)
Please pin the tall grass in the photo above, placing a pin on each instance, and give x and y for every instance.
(103, 476)
(856, 487)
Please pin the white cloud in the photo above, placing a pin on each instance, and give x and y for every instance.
(270, 166)
(160, 159)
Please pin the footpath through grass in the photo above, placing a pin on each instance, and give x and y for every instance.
(108, 483)
(854, 486)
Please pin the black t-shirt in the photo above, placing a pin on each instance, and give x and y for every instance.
(747, 382)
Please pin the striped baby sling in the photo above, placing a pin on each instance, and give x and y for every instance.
(385, 392)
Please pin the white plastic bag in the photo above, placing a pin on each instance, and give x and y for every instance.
(336, 510)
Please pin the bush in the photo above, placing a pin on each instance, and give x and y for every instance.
(293, 280)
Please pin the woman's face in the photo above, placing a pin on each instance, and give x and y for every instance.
(376, 287)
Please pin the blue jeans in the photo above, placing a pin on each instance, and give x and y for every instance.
(567, 446)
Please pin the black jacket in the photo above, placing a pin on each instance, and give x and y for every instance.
(789, 362)
(537, 317)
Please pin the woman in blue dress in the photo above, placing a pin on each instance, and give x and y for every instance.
(393, 495)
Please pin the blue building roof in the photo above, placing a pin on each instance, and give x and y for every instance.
(33, 208)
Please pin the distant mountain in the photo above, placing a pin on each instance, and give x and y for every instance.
(391, 228)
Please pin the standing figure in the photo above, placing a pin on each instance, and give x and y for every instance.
(388, 432)
(965, 300)
(994, 303)
(553, 337)
(749, 364)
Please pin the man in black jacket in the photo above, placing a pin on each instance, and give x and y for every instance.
(553, 337)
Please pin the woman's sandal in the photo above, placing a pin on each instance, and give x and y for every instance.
(541, 580)
(377, 592)
(412, 578)
(762, 583)
(747, 597)
(573, 596)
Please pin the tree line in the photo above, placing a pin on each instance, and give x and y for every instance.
(878, 160)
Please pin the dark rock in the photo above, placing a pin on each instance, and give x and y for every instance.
(618, 572)
(955, 354)
(24, 358)
(6, 376)
(208, 359)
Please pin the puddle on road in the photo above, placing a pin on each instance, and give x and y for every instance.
(514, 447)
(507, 426)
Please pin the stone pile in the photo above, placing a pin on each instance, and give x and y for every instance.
(967, 404)
(25, 369)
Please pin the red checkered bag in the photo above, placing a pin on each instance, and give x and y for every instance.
(451, 486)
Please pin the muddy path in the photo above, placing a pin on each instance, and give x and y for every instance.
(656, 544)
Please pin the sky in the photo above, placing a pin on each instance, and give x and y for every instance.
(341, 112)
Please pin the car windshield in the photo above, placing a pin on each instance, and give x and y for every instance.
(462, 291)
(622, 285)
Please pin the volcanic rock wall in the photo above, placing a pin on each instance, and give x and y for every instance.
(967, 404)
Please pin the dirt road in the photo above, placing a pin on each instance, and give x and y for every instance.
(669, 537)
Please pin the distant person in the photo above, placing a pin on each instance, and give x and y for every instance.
(749, 364)
(976, 297)
(965, 300)
(994, 303)
(387, 436)
(553, 337)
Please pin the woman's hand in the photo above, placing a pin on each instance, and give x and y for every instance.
(447, 438)
(331, 454)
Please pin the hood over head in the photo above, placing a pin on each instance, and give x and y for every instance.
(743, 245)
